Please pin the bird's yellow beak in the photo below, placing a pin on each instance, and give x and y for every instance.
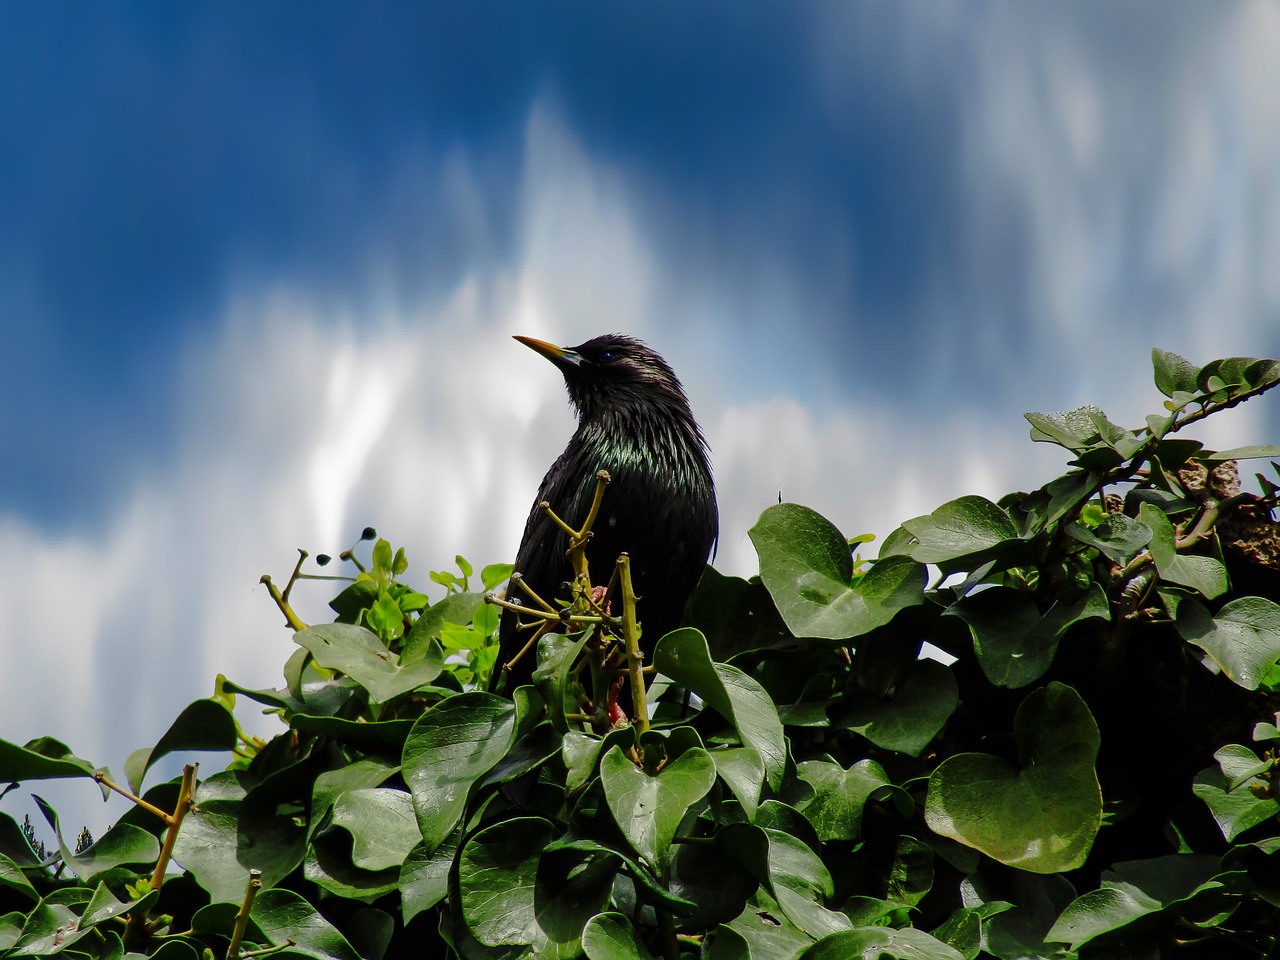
(548, 350)
(560, 356)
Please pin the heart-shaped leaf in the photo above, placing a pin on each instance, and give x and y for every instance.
(649, 807)
(1204, 574)
(1243, 637)
(1041, 815)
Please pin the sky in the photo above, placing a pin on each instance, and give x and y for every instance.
(260, 265)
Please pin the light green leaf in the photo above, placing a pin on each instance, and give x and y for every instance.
(359, 654)
(381, 823)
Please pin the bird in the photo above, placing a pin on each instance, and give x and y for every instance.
(635, 422)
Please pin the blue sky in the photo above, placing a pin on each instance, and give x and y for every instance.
(260, 263)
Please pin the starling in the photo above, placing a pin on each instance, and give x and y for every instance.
(633, 421)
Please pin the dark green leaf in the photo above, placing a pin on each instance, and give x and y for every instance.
(202, 725)
(424, 876)
(1042, 816)
(449, 749)
(908, 719)
(610, 936)
(683, 656)
(1131, 891)
(1245, 453)
(871, 942)
(1014, 642)
(1118, 537)
(840, 794)
(1234, 806)
(41, 759)
(286, 917)
(806, 565)
(969, 527)
(1243, 638)
(1204, 574)
(648, 808)
(381, 823)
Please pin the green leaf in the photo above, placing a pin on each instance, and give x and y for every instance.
(762, 931)
(1014, 642)
(872, 942)
(11, 876)
(1118, 537)
(50, 928)
(424, 876)
(1204, 574)
(222, 838)
(287, 918)
(359, 654)
(381, 823)
(104, 906)
(1243, 637)
(122, 844)
(1244, 453)
(806, 565)
(1133, 890)
(1173, 373)
(1041, 816)
(648, 808)
(610, 936)
(907, 720)
(202, 725)
(1225, 789)
(41, 759)
(795, 876)
(450, 748)
(840, 795)
(968, 528)
(743, 770)
(683, 656)
(456, 608)
(511, 892)
(332, 784)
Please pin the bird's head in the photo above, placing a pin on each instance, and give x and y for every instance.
(610, 371)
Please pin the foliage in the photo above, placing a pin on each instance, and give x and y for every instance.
(1083, 763)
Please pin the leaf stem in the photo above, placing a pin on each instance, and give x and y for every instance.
(631, 636)
(242, 918)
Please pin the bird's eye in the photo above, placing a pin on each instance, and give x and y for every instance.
(607, 356)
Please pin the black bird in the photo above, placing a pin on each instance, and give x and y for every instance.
(633, 421)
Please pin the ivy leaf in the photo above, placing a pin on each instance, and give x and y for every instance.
(1225, 790)
(41, 759)
(1173, 374)
(905, 944)
(683, 656)
(1203, 574)
(807, 568)
(1243, 637)
(970, 528)
(1040, 816)
(286, 918)
(450, 748)
(1132, 891)
(840, 795)
(909, 719)
(381, 823)
(424, 876)
(202, 725)
(359, 654)
(649, 807)
(610, 936)
(1014, 642)
(1118, 537)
